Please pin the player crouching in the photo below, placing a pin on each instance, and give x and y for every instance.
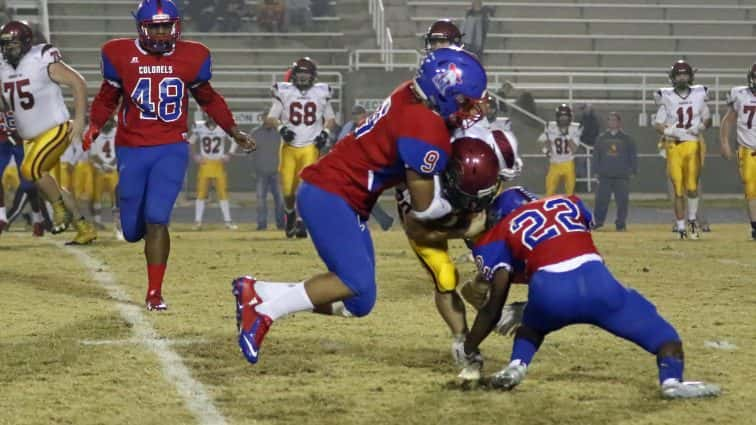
(569, 284)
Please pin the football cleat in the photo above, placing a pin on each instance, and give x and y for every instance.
(231, 226)
(155, 302)
(61, 217)
(85, 233)
(509, 377)
(252, 326)
(693, 230)
(290, 226)
(118, 233)
(674, 389)
(197, 225)
(301, 230)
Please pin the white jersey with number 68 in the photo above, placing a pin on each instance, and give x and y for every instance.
(304, 112)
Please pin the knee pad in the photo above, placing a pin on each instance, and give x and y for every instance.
(131, 233)
(363, 300)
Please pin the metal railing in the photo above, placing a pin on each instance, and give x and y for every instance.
(382, 32)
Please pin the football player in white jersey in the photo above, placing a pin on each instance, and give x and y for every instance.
(742, 101)
(304, 117)
(212, 155)
(102, 156)
(30, 76)
(682, 117)
(560, 140)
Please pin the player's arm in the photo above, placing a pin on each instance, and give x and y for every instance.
(724, 132)
(543, 139)
(196, 148)
(63, 74)
(215, 105)
(490, 313)
(273, 119)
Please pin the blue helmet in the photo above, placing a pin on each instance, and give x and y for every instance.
(154, 12)
(454, 82)
(508, 201)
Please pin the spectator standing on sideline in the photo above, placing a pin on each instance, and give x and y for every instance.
(591, 130)
(616, 161)
(475, 27)
(265, 163)
(358, 114)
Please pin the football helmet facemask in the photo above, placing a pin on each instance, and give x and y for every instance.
(471, 178)
(303, 73)
(442, 31)
(16, 38)
(681, 68)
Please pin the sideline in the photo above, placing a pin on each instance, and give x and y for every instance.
(174, 370)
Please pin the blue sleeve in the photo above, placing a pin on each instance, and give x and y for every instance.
(421, 156)
(109, 71)
(492, 256)
(586, 213)
(205, 72)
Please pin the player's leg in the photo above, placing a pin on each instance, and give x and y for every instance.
(675, 173)
(747, 162)
(115, 208)
(5, 156)
(164, 182)
(347, 289)
(203, 181)
(553, 302)
(44, 153)
(134, 164)
(437, 262)
(97, 194)
(261, 192)
(603, 195)
(552, 180)
(569, 178)
(621, 189)
(221, 188)
(691, 176)
(627, 314)
(278, 204)
(287, 173)
(306, 156)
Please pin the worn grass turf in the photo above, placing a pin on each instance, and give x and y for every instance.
(65, 355)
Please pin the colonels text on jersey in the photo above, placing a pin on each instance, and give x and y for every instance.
(154, 109)
(372, 158)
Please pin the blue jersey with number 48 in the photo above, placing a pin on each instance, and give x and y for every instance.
(540, 233)
(154, 89)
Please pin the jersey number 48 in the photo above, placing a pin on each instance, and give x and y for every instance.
(167, 107)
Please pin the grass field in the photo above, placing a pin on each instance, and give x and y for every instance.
(68, 355)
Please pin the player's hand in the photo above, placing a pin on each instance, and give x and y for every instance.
(197, 158)
(477, 225)
(89, 136)
(700, 128)
(244, 141)
(511, 318)
(322, 138)
(286, 133)
(226, 158)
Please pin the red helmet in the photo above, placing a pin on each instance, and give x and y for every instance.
(442, 30)
(752, 78)
(471, 179)
(563, 110)
(16, 39)
(681, 67)
(303, 73)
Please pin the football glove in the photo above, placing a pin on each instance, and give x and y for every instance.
(511, 318)
(286, 133)
(89, 136)
(697, 130)
(322, 138)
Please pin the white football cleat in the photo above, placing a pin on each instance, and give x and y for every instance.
(510, 376)
(673, 389)
(471, 364)
(231, 226)
(197, 225)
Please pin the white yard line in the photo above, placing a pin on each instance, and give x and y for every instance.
(174, 370)
(135, 341)
(730, 262)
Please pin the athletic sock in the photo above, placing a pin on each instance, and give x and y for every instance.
(692, 208)
(199, 210)
(680, 225)
(269, 291)
(670, 368)
(293, 300)
(523, 350)
(155, 273)
(3, 216)
(225, 210)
